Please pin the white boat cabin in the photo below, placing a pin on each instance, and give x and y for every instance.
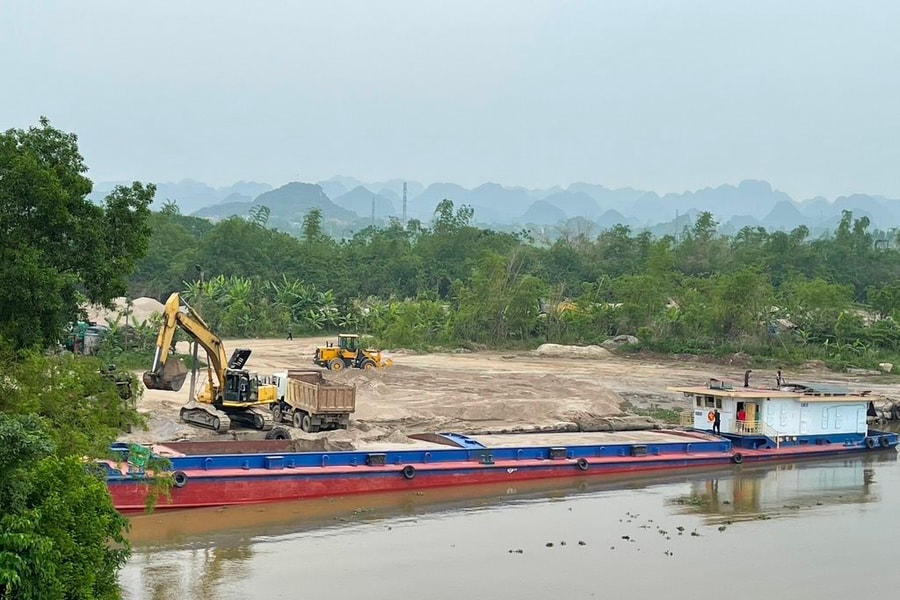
(825, 411)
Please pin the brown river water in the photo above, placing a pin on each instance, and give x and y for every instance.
(791, 531)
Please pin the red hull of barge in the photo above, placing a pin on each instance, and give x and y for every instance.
(218, 487)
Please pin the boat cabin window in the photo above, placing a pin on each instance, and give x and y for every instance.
(710, 402)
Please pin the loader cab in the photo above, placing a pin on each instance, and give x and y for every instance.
(348, 342)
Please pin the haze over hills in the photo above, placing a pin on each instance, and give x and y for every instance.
(348, 203)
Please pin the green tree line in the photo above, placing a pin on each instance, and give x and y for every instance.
(449, 282)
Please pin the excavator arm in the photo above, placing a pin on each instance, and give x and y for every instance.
(170, 375)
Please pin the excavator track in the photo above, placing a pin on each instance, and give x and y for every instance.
(255, 417)
(206, 416)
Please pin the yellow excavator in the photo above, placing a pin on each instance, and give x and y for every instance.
(231, 392)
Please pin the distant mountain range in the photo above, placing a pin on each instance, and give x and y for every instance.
(347, 204)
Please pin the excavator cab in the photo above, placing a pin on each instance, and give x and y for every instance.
(238, 386)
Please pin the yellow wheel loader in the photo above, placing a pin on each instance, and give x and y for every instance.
(349, 354)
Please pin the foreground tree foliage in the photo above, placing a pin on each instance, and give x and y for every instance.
(57, 248)
(60, 536)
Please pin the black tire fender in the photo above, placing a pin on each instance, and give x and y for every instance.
(180, 478)
(738, 458)
(582, 464)
(409, 472)
(870, 442)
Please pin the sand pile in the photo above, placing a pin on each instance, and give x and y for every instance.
(141, 310)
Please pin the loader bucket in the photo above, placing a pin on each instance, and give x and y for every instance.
(169, 378)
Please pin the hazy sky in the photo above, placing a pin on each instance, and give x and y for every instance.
(666, 95)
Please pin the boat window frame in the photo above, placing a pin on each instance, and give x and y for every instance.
(712, 402)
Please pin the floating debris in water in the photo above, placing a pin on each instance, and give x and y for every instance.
(562, 543)
(722, 527)
(582, 543)
(695, 534)
(549, 544)
(626, 537)
(680, 528)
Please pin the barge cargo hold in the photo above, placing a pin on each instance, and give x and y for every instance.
(237, 472)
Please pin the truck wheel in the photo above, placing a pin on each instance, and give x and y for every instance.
(306, 425)
(336, 364)
(368, 364)
(277, 415)
(298, 419)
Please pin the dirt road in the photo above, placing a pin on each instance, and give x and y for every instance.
(474, 392)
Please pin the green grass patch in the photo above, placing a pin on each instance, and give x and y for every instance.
(671, 416)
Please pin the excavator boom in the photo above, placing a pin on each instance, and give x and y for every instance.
(230, 393)
(170, 375)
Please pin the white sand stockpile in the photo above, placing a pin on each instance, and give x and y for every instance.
(560, 351)
(141, 310)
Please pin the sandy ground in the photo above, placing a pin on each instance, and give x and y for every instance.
(484, 392)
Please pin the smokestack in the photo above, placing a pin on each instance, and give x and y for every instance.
(404, 203)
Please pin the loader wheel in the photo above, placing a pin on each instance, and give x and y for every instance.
(336, 364)
(368, 364)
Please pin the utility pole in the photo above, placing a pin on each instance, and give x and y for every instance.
(196, 344)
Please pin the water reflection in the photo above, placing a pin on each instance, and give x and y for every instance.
(781, 490)
(199, 573)
(238, 552)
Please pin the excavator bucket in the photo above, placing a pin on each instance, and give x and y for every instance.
(169, 378)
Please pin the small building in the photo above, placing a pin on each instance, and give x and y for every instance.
(795, 414)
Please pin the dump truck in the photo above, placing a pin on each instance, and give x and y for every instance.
(312, 403)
